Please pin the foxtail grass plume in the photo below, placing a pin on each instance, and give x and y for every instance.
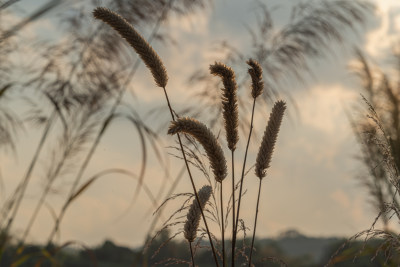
(194, 214)
(139, 44)
(229, 102)
(268, 142)
(207, 139)
(255, 72)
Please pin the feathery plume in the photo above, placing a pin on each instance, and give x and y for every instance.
(139, 44)
(271, 132)
(194, 214)
(229, 102)
(207, 139)
(256, 78)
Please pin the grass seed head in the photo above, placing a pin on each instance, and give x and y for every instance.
(268, 142)
(194, 214)
(207, 139)
(256, 78)
(138, 43)
(229, 102)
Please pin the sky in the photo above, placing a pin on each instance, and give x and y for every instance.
(311, 184)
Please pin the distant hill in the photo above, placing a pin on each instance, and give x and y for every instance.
(294, 244)
(292, 247)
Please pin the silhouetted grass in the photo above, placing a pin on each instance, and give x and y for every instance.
(84, 90)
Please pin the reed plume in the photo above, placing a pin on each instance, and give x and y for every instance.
(154, 63)
(268, 142)
(229, 102)
(207, 139)
(230, 114)
(257, 85)
(265, 154)
(139, 44)
(194, 214)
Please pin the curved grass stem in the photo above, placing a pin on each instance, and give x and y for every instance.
(101, 132)
(20, 191)
(24, 184)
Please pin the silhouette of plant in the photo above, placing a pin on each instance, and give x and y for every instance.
(377, 129)
(83, 79)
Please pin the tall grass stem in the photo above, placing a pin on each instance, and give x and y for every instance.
(191, 253)
(101, 132)
(192, 181)
(242, 176)
(233, 206)
(222, 226)
(255, 223)
(22, 187)
(28, 174)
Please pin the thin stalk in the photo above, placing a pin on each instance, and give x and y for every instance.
(191, 253)
(233, 206)
(159, 213)
(73, 188)
(192, 182)
(223, 227)
(82, 170)
(255, 223)
(170, 192)
(8, 3)
(22, 187)
(241, 180)
(101, 132)
(25, 181)
(59, 166)
(43, 197)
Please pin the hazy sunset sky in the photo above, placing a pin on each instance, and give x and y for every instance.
(311, 184)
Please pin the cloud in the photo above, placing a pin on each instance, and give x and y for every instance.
(341, 198)
(352, 206)
(322, 108)
(380, 40)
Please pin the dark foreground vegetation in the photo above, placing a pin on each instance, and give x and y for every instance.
(291, 247)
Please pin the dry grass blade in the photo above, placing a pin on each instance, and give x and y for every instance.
(229, 102)
(268, 142)
(256, 78)
(231, 117)
(283, 51)
(378, 133)
(141, 46)
(5, 88)
(194, 214)
(207, 139)
(95, 177)
(8, 3)
(9, 121)
(138, 125)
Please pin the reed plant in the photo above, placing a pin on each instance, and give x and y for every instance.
(85, 114)
(375, 124)
(86, 97)
(202, 134)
